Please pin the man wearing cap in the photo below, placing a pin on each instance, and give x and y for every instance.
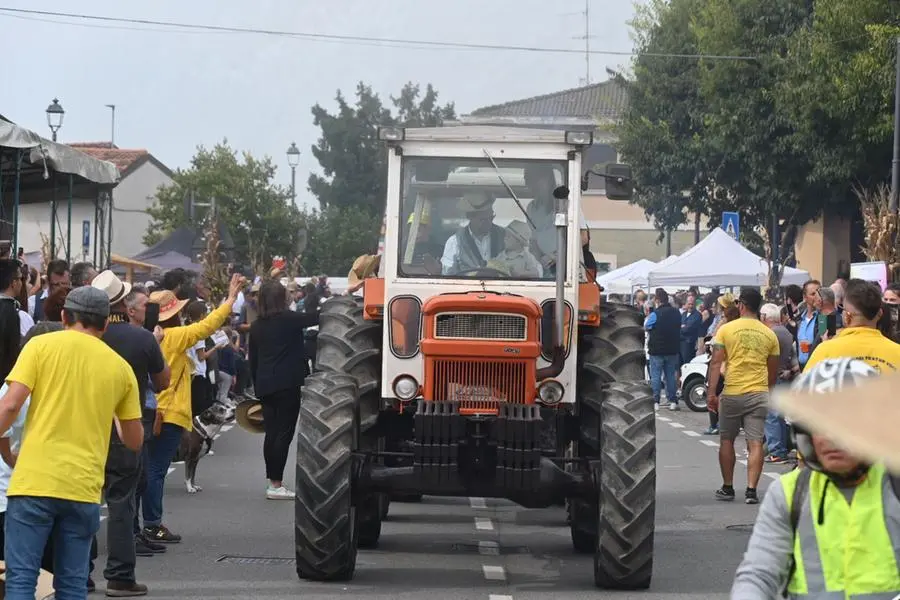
(472, 246)
(141, 351)
(78, 386)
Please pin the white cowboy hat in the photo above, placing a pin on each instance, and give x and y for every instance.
(476, 201)
(115, 288)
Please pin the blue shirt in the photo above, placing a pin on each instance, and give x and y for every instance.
(806, 332)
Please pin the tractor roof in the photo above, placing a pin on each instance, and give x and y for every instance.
(485, 134)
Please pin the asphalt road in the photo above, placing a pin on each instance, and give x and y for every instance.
(237, 544)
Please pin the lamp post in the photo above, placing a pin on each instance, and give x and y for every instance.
(55, 114)
(293, 157)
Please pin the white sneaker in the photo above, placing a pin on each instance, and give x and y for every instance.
(279, 493)
(656, 406)
(673, 406)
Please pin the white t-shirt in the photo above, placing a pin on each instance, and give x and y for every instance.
(199, 365)
(26, 322)
(14, 434)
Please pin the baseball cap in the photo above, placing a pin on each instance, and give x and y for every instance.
(88, 300)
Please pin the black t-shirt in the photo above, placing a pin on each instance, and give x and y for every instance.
(277, 354)
(139, 349)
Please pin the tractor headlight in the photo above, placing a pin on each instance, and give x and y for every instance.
(550, 392)
(406, 388)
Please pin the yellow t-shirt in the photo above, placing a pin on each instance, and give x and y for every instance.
(863, 343)
(748, 345)
(77, 384)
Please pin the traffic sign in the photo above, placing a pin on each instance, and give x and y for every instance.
(85, 235)
(731, 224)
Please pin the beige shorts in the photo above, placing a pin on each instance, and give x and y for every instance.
(744, 410)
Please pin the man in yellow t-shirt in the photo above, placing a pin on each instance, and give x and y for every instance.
(860, 337)
(751, 355)
(78, 386)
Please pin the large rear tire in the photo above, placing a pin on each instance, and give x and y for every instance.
(325, 520)
(618, 437)
(347, 343)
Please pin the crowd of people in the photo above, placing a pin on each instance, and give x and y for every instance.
(103, 379)
(828, 528)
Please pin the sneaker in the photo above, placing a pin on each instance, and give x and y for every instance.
(776, 460)
(144, 548)
(750, 496)
(125, 589)
(674, 406)
(156, 548)
(656, 406)
(711, 431)
(279, 493)
(725, 494)
(161, 535)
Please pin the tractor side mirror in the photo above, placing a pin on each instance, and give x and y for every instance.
(619, 185)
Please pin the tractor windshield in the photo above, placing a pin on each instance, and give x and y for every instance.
(460, 221)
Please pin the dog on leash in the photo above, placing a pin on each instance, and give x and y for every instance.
(197, 443)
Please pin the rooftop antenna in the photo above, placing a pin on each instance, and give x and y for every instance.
(586, 14)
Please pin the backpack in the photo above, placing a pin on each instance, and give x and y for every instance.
(801, 491)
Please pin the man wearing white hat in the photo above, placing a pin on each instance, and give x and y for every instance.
(473, 245)
(141, 351)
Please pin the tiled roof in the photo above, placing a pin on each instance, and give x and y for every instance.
(604, 100)
(124, 159)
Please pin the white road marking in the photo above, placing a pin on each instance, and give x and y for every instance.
(499, 597)
(691, 433)
(477, 503)
(743, 462)
(663, 419)
(772, 475)
(710, 443)
(483, 524)
(676, 425)
(494, 573)
(489, 548)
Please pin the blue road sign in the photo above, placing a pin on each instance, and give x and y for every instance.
(731, 224)
(86, 233)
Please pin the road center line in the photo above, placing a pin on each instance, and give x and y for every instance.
(489, 548)
(483, 524)
(499, 597)
(494, 573)
(710, 443)
(477, 503)
(663, 419)
(676, 425)
(690, 433)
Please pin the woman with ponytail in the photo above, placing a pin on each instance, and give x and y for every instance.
(10, 328)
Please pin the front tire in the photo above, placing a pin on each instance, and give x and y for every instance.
(325, 520)
(694, 395)
(618, 439)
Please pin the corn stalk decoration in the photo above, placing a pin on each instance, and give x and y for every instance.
(881, 226)
(214, 271)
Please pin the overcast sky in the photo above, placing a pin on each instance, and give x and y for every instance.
(174, 90)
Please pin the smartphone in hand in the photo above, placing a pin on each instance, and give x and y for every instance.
(151, 320)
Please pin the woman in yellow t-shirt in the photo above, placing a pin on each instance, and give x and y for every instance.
(173, 412)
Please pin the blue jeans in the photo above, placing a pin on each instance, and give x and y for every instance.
(30, 521)
(664, 366)
(161, 451)
(777, 433)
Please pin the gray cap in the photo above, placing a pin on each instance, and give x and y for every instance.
(88, 300)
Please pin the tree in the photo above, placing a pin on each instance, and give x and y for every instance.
(661, 132)
(337, 236)
(255, 210)
(352, 157)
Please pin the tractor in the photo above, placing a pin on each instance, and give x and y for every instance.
(482, 361)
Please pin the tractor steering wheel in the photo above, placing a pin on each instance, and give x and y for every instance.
(485, 273)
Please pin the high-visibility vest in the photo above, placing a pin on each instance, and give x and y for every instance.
(846, 551)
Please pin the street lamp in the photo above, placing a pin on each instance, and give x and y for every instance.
(293, 157)
(55, 114)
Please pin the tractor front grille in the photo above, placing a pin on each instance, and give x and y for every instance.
(481, 386)
(480, 326)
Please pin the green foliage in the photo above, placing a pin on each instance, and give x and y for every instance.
(784, 135)
(256, 211)
(352, 158)
(337, 236)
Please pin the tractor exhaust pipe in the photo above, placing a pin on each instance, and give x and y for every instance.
(561, 194)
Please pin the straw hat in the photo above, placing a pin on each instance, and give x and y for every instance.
(249, 415)
(363, 267)
(476, 201)
(726, 300)
(114, 287)
(169, 304)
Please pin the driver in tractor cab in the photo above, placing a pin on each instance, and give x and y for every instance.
(472, 246)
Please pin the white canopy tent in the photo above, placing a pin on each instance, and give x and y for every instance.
(641, 279)
(719, 260)
(618, 281)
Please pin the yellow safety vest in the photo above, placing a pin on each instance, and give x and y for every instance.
(846, 551)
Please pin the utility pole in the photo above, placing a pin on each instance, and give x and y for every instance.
(895, 165)
(587, 42)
